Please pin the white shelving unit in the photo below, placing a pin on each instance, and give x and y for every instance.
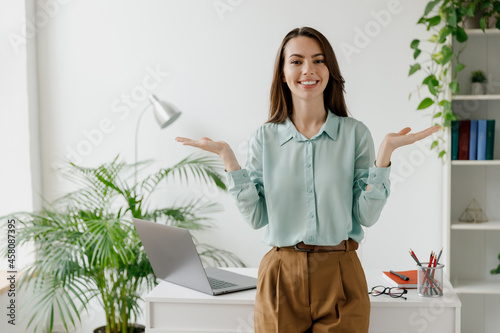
(491, 162)
(472, 249)
(477, 287)
(475, 97)
(491, 225)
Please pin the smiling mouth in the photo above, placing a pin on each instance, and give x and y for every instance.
(309, 83)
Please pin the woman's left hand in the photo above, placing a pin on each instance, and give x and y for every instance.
(392, 141)
(396, 140)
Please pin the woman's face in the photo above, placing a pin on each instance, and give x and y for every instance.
(304, 68)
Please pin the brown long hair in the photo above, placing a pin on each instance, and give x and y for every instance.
(281, 98)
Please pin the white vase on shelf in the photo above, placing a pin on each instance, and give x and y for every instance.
(478, 88)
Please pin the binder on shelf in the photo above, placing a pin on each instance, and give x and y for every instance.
(455, 124)
(463, 139)
(481, 139)
(473, 140)
(490, 138)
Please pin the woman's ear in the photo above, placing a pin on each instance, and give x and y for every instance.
(283, 78)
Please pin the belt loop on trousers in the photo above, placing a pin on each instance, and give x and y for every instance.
(346, 245)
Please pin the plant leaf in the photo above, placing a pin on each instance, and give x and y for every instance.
(447, 54)
(425, 103)
(416, 53)
(459, 67)
(429, 7)
(413, 69)
(452, 17)
(433, 21)
(437, 57)
(482, 23)
(461, 35)
(443, 33)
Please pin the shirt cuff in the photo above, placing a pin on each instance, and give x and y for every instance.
(237, 177)
(378, 175)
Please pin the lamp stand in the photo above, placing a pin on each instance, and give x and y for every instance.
(137, 139)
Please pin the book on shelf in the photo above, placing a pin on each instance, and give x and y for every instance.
(395, 281)
(463, 139)
(472, 139)
(490, 138)
(481, 139)
(454, 139)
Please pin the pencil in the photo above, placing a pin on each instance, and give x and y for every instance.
(439, 256)
(415, 257)
(427, 275)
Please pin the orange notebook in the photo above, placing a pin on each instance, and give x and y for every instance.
(396, 281)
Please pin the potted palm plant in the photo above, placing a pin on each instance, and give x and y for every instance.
(87, 247)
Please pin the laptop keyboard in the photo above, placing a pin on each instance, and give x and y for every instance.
(219, 284)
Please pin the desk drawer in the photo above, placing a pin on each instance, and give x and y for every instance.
(413, 320)
(200, 318)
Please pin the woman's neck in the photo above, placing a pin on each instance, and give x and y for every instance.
(308, 115)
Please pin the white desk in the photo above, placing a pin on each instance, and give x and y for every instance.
(171, 308)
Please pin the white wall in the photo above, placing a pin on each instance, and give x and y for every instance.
(219, 57)
(20, 176)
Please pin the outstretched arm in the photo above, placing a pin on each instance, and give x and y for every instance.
(244, 185)
(392, 141)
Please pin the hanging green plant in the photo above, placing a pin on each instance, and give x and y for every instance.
(444, 20)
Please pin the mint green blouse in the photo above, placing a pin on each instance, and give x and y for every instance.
(310, 190)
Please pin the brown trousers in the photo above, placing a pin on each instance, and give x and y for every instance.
(314, 292)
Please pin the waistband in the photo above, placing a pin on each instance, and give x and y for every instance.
(348, 245)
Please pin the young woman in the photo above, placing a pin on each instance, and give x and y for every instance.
(312, 178)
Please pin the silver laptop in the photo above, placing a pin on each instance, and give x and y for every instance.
(173, 256)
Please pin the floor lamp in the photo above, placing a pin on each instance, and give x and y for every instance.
(165, 114)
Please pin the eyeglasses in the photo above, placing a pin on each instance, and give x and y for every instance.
(394, 292)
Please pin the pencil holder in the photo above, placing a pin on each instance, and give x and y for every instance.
(430, 280)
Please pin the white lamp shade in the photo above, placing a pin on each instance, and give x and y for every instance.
(165, 112)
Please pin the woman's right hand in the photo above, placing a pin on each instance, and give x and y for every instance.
(217, 147)
(220, 148)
